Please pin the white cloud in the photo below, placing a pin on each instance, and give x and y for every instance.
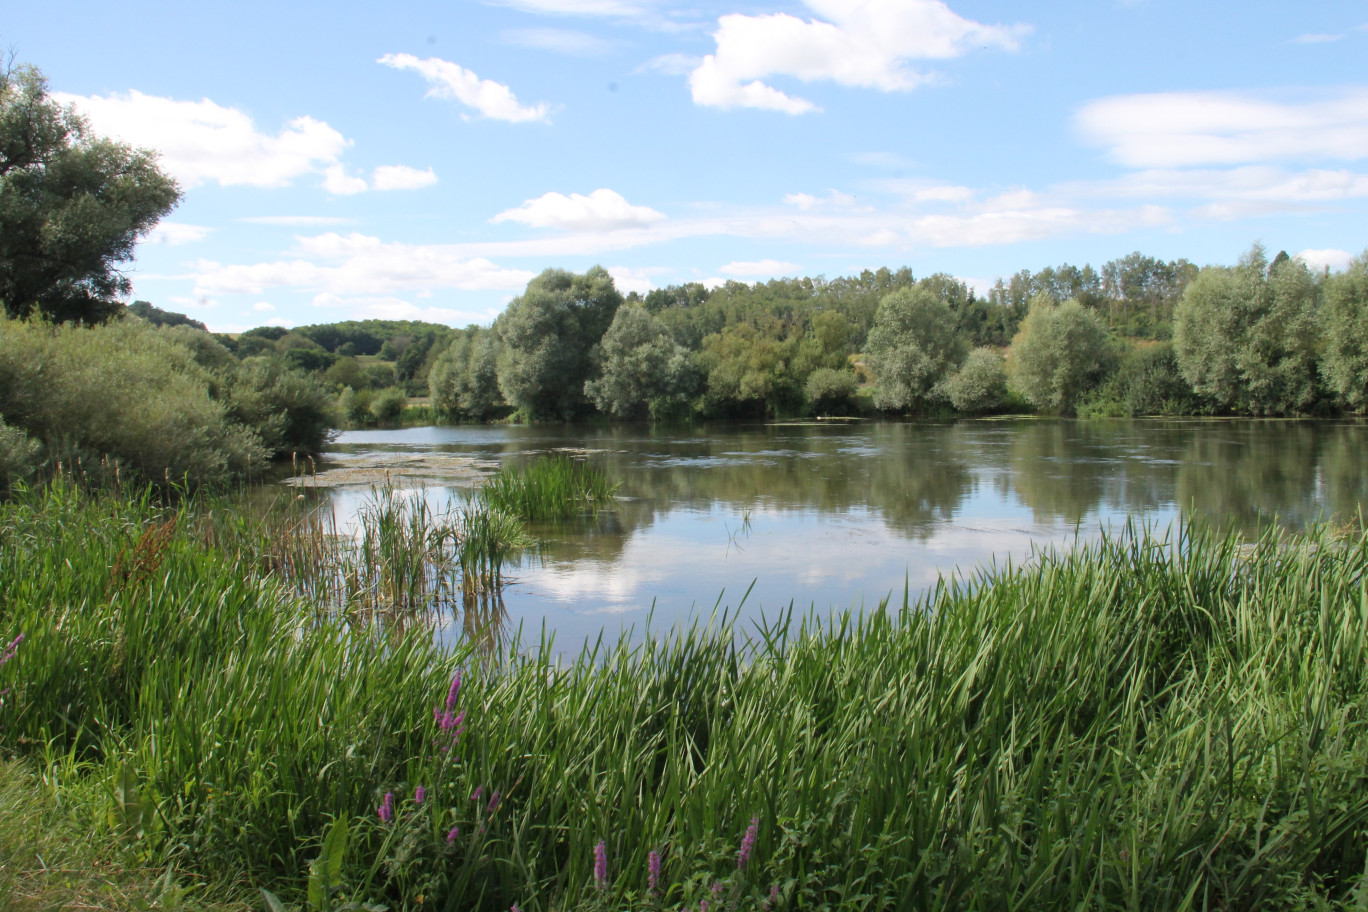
(201, 141)
(177, 233)
(356, 264)
(296, 221)
(280, 321)
(451, 81)
(1326, 259)
(808, 202)
(1252, 183)
(764, 268)
(263, 306)
(859, 45)
(1316, 38)
(1183, 129)
(671, 64)
(602, 210)
(560, 41)
(628, 279)
(402, 177)
(337, 182)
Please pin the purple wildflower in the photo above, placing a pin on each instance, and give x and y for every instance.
(475, 795)
(601, 864)
(386, 809)
(773, 898)
(452, 834)
(419, 795)
(702, 905)
(451, 723)
(747, 844)
(717, 889)
(10, 651)
(494, 802)
(652, 871)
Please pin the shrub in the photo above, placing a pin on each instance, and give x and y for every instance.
(126, 391)
(291, 412)
(829, 390)
(18, 456)
(388, 405)
(980, 385)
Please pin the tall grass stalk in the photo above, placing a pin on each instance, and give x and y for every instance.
(1145, 722)
(550, 488)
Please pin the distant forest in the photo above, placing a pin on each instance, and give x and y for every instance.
(1138, 336)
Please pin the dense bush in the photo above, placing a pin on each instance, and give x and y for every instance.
(980, 385)
(290, 411)
(830, 391)
(463, 380)
(1147, 382)
(387, 406)
(1060, 353)
(126, 391)
(19, 456)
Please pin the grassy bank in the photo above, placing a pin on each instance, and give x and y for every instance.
(1141, 723)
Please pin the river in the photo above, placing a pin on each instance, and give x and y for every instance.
(827, 515)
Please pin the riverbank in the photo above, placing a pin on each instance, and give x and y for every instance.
(1141, 722)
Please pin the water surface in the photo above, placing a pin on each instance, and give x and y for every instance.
(829, 515)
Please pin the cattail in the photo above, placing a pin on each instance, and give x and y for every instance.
(386, 809)
(652, 871)
(601, 864)
(747, 844)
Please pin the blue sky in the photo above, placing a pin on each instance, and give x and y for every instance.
(423, 161)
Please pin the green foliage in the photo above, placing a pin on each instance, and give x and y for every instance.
(19, 456)
(831, 392)
(1060, 353)
(912, 346)
(158, 317)
(387, 406)
(548, 333)
(126, 392)
(1246, 336)
(980, 385)
(749, 367)
(642, 370)
(1344, 314)
(291, 412)
(1148, 381)
(72, 206)
(1131, 724)
(550, 488)
(464, 380)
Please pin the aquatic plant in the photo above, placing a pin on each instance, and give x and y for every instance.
(549, 488)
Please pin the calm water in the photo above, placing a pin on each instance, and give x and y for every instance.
(832, 515)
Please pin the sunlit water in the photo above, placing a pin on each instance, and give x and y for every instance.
(827, 515)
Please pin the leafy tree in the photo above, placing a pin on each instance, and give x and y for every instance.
(158, 317)
(1246, 336)
(980, 384)
(1059, 354)
(464, 380)
(548, 333)
(1147, 382)
(1344, 363)
(290, 412)
(72, 206)
(643, 371)
(749, 374)
(913, 345)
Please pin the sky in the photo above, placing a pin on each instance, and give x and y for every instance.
(424, 161)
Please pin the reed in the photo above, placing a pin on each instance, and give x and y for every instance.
(1150, 721)
(548, 489)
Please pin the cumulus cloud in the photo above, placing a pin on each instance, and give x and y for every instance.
(1326, 259)
(357, 264)
(628, 279)
(402, 177)
(338, 182)
(177, 233)
(1189, 129)
(452, 81)
(263, 306)
(858, 45)
(201, 141)
(762, 268)
(602, 210)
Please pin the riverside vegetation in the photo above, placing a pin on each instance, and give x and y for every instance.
(1147, 722)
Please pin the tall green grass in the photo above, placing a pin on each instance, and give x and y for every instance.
(1145, 722)
(550, 488)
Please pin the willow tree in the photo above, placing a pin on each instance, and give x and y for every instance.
(914, 344)
(1060, 353)
(72, 206)
(1344, 318)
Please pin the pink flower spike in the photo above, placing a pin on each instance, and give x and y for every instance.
(452, 834)
(494, 802)
(475, 795)
(652, 871)
(601, 864)
(419, 795)
(747, 844)
(386, 809)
